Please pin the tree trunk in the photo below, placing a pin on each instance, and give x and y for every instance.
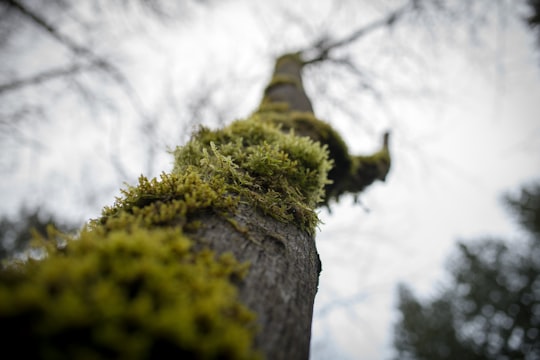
(281, 284)
(282, 281)
(154, 276)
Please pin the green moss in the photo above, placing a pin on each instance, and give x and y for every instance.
(268, 106)
(281, 79)
(379, 159)
(280, 173)
(306, 124)
(348, 173)
(172, 200)
(134, 294)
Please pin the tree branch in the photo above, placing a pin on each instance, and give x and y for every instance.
(321, 48)
(51, 30)
(79, 50)
(43, 77)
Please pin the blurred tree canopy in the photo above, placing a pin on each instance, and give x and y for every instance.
(490, 309)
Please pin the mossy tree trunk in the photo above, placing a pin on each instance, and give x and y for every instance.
(283, 277)
(216, 259)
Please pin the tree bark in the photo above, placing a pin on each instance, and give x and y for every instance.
(281, 284)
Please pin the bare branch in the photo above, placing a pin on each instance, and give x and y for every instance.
(97, 61)
(52, 31)
(43, 77)
(100, 63)
(324, 46)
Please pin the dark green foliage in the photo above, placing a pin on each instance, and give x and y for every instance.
(490, 309)
(424, 332)
(525, 208)
(533, 19)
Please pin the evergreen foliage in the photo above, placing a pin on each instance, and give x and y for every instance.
(490, 309)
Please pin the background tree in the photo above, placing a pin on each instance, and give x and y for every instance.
(489, 307)
(533, 19)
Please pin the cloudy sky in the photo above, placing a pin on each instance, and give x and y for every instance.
(462, 107)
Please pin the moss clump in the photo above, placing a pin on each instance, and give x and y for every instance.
(171, 200)
(306, 124)
(280, 173)
(283, 79)
(129, 294)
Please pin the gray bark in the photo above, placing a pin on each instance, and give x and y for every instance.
(282, 280)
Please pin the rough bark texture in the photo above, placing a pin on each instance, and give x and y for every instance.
(282, 280)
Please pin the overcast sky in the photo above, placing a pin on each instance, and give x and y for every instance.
(464, 122)
(452, 161)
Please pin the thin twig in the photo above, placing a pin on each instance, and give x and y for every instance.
(50, 29)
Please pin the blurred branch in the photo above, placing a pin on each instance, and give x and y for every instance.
(321, 48)
(79, 50)
(43, 77)
(54, 32)
(51, 30)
